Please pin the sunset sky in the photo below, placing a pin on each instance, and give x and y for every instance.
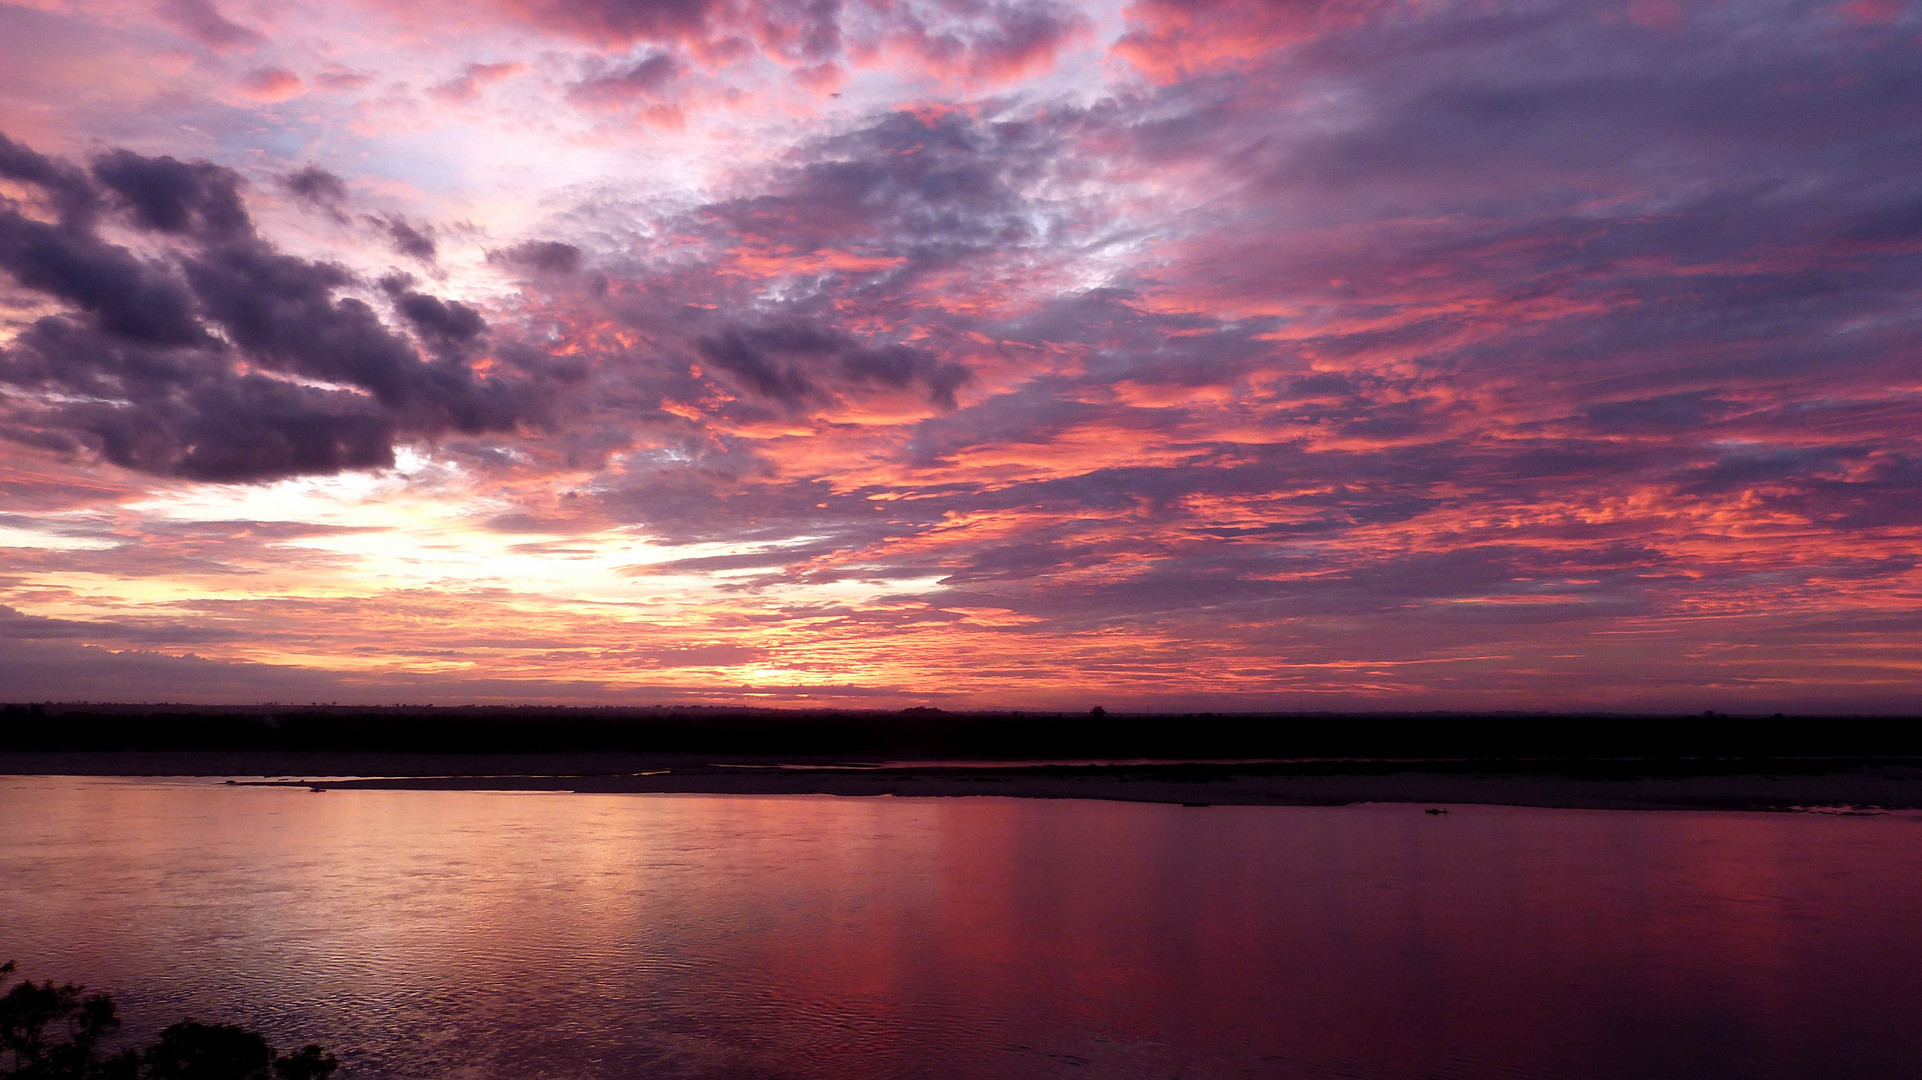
(972, 353)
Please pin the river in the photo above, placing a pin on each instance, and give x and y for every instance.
(505, 936)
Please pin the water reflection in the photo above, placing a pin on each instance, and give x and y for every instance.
(485, 934)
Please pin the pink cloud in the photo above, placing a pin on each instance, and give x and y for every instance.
(468, 84)
(271, 85)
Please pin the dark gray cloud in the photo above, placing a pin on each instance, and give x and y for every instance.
(775, 360)
(319, 189)
(130, 298)
(184, 412)
(445, 324)
(646, 78)
(165, 195)
(546, 256)
(66, 186)
(136, 373)
(285, 310)
(410, 239)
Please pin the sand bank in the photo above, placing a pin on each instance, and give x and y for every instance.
(1704, 784)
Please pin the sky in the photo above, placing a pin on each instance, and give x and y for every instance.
(1162, 354)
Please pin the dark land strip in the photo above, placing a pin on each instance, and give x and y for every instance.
(1595, 785)
(1702, 762)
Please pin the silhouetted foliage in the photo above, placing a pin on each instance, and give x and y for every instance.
(54, 1032)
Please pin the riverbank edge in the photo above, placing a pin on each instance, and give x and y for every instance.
(1805, 784)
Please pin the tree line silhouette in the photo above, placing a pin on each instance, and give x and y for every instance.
(928, 733)
(59, 1032)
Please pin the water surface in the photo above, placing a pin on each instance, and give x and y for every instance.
(500, 935)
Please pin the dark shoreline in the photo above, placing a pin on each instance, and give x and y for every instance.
(1708, 761)
(1850, 784)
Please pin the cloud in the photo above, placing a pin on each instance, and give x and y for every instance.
(545, 256)
(165, 195)
(447, 327)
(68, 262)
(409, 239)
(271, 85)
(611, 22)
(468, 84)
(902, 196)
(297, 379)
(201, 21)
(1171, 40)
(342, 80)
(645, 79)
(985, 43)
(17, 625)
(1435, 352)
(185, 413)
(1423, 349)
(319, 189)
(67, 186)
(284, 311)
(774, 360)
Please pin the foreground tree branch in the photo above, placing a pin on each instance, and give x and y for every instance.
(55, 1032)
